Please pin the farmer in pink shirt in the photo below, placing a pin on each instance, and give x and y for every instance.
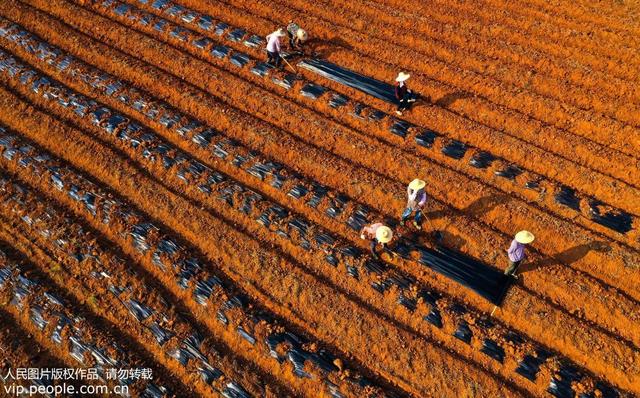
(416, 199)
(516, 251)
(377, 233)
(273, 47)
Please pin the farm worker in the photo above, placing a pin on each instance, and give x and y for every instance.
(377, 233)
(297, 35)
(403, 94)
(516, 251)
(416, 199)
(273, 47)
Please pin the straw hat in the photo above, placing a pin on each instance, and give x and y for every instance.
(280, 33)
(384, 234)
(301, 34)
(417, 184)
(402, 77)
(524, 237)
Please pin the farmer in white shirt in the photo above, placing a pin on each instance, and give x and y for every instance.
(273, 47)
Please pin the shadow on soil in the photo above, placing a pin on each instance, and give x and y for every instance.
(568, 256)
(475, 209)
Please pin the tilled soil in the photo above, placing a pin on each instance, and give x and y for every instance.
(202, 214)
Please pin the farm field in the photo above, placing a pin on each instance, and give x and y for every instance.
(171, 202)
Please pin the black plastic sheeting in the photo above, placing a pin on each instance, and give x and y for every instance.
(619, 221)
(481, 160)
(376, 88)
(455, 149)
(463, 332)
(338, 100)
(426, 138)
(530, 365)
(510, 172)
(239, 59)
(312, 91)
(492, 349)
(400, 128)
(487, 281)
(560, 385)
(567, 196)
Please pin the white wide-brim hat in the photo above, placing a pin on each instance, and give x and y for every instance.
(301, 34)
(402, 77)
(384, 234)
(417, 184)
(524, 237)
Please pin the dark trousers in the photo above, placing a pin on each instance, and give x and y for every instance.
(273, 58)
(374, 243)
(404, 104)
(407, 213)
(292, 43)
(512, 267)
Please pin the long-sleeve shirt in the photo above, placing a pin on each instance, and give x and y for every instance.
(401, 90)
(369, 232)
(516, 251)
(416, 199)
(292, 28)
(273, 43)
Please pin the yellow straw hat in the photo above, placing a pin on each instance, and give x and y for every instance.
(384, 234)
(301, 34)
(417, 184)
(402, 77)
(524, 237)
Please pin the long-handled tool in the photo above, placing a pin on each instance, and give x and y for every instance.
(287, 62)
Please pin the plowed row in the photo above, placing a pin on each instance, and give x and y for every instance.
(202, 216)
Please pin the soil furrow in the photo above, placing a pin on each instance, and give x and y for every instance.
(569, 14)
(116, 207)
(308, 303)
(19, 353)
(571, 253)
(553, 92)
(201, 209)
(169, 178)
(519, 44)
(542, 187)
(577, 238)
(623, 309)
(586, 48)
(71, 330)
(533, 140)
(175, 314)
(535, 106)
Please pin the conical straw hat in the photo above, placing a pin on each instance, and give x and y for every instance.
(402, 77)
(302, 34)
(384, 234)
(417, 184)
(524, 237)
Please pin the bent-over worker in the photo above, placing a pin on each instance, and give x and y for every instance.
(403, 94)
(416, 199)
(516, 252)
(273, 47)
(377, 233)
(297, 36)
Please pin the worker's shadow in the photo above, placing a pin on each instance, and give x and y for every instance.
(477, 208)
(324, 48)
(449, 240)
(444, 102)
(448, 99)
(567, 257)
